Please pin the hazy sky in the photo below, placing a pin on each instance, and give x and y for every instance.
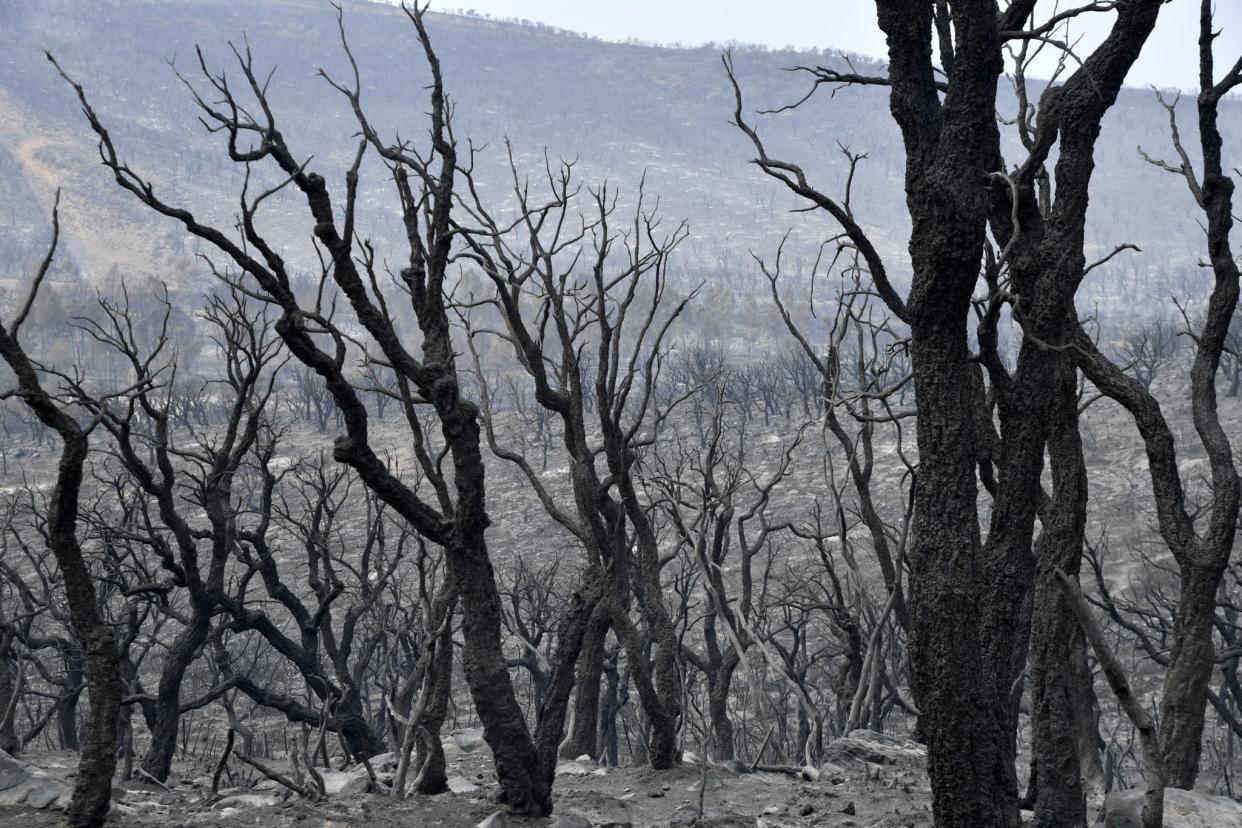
(1169, 59)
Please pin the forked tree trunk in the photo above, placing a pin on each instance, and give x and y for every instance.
(722, 726)
(661, 747)
(571, 634)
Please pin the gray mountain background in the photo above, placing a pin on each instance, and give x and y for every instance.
(623, 111)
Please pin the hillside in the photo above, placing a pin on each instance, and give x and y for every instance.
(623, 110)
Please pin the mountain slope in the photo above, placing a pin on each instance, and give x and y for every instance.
(622, 110)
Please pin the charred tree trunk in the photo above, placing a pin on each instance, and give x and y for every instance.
(1191, 661)
(609, 709)
(1057, 640)
(718, 712)
(491, 688)
(93, 788)
(1202, 554)
(659, 684)
(9, 742)
(67, 713)
(584, 736)
(354, 726)
(92, 792)
(182, 654)
(571, 633)
(947, 148)
(661, 747)
(433, 777)
(959, 717)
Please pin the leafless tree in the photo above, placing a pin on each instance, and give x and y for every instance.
(93, 786)
(1147, 349)
(969, 594)
(552, 314)
(425, 182)
(1201, 541)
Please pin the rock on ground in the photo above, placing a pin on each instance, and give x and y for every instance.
(876, 748)
(461, 785)
(247, 801)
(572, 821)
(496, 820)
(1182, 809)
(24, 784)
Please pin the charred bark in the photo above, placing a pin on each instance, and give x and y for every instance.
(92, 790)
(1057, 640)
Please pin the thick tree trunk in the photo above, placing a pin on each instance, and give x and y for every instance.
(1186, 680)
(182, 654)
(959, 717)
(949, 146)
(354, 727)
(504, 727)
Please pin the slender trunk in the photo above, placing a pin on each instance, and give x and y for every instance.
(433, 779)
(1057, 640)
(718, 711)
(9, 742)
(608, 711)
(67, 714)
(92, 792)
(584, 735)
(1087, 718)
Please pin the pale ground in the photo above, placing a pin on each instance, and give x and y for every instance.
(890, 796)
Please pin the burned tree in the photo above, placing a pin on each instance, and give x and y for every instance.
(172, 475)
(553, 315)
(716, 505)
(425, 187)
(92, 793)
(1201, 541)
(969, 594)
